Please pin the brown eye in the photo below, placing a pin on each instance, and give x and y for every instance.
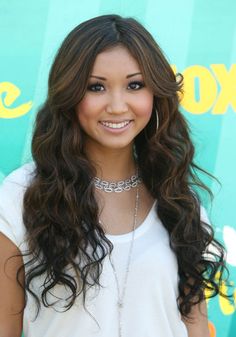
(136, 85)
(96, 87)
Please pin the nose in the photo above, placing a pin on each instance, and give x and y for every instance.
(117, 104)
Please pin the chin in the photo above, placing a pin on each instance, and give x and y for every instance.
(117, 146)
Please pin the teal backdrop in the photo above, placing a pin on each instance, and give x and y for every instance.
(199, 40)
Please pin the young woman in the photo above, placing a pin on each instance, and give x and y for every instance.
(103, 234)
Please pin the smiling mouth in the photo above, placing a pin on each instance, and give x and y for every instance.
(119, 125)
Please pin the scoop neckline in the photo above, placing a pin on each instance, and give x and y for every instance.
(141, 229)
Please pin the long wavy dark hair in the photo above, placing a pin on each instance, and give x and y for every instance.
(60, 209)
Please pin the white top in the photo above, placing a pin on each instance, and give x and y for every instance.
(150, 308)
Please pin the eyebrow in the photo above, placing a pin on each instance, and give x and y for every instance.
(104, 79)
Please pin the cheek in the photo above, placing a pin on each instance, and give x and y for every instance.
(144, 106)
(86, 109)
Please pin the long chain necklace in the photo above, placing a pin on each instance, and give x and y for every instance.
(121, 295)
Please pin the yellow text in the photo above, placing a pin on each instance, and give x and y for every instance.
(12, 92)
(211, 89)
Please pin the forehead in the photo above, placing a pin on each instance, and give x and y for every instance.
(115, 59)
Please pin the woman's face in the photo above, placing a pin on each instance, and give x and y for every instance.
(117, 104)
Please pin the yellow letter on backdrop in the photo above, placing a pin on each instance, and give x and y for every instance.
(227, 81)
(12, 92)
(207, 89)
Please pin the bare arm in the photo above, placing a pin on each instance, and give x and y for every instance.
(11, 294)
(198, 326)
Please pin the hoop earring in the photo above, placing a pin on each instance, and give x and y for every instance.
(157, 120)
(135, 153)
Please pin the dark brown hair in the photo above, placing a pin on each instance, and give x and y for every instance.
(60, 209)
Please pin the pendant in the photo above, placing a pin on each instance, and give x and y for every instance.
(120, 304)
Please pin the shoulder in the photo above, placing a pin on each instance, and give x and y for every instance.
(19, 178)
(13, 187)
(204, 215)
(12, 192)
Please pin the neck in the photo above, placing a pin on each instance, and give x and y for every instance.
(113, 164)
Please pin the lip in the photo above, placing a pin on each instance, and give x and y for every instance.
(115, 131)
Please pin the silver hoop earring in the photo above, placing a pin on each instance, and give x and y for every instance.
(157, 120)
(135, 153)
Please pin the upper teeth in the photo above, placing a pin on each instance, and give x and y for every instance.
(115, 125)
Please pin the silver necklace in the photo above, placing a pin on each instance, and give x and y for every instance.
(119, 186)
(121, 295)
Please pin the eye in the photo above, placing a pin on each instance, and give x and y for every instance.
(136, 85)
(96, 87)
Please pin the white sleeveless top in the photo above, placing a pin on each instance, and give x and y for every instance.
(150, 308)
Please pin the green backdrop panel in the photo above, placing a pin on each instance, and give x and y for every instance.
(199, 40)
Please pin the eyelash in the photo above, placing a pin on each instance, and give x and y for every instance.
(92, 86)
